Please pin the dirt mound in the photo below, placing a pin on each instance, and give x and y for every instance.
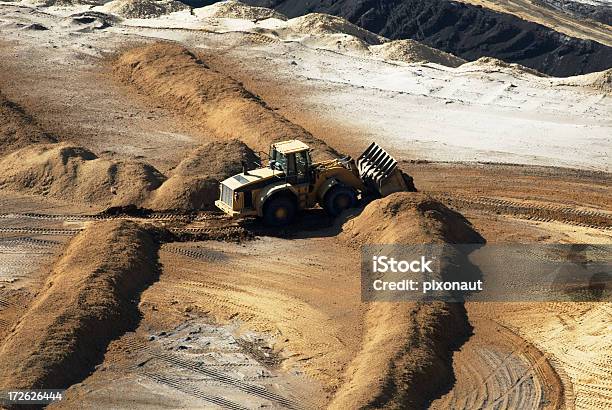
(490, 64)
(18, 129)
(143, 8)
(218, 159)
(411, 51)
(238, 10)
(174, 76)
(344, 43)
(321, 24)
(405, 360)
(87, 301)
(601, 81)
(72, 173)
(194, 183)
(408, 218)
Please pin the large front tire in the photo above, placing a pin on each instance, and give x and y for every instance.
(279, 211)
(339, 199)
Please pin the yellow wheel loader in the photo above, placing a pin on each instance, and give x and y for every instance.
(291, 182)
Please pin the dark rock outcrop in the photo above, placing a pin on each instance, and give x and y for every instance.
(465, 30)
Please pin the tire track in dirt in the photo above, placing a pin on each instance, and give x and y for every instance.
(214, 374)
(498, 369)
(577, 340)
(546, 212)
(107, 216)
(200, 394)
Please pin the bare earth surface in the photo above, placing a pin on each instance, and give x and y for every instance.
(241, 316)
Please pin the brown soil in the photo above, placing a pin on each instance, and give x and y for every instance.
(306, 300)
(406, 354)
(18, 129)
(86, 302)
(541, 194)
(408, 218)
(172, 75)
(303, 291)
(498, 368)
(72, 173)
(194, 183)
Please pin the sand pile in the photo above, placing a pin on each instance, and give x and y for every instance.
(72, 173)
(143, 8)
(405, 360)
(493, 65)
(411, 51)
(174, 76)
(601, 81)
(87, 301)
(75, 174)
(194, 183)
(238, 10)
(408, 218)
(317, 24)
(18, 129)
(343, 43)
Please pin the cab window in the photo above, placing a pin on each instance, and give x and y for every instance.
(302, 164)
(281, 162)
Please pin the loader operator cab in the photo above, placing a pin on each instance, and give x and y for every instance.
(293, 159)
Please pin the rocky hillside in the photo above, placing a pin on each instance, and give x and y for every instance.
(599, 10)
(464, 30)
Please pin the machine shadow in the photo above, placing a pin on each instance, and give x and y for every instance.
(309, 223)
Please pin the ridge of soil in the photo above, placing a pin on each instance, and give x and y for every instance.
(87, 301)
(409, 344)
(71, 173)
(172, 75)
(194, 183)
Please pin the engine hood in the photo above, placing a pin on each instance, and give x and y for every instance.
(254, 177)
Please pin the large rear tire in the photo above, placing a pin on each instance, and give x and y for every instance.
(279, 211)
(339, 199)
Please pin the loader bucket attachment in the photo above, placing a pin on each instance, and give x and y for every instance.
(378, 171)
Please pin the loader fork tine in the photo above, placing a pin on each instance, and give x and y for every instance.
(376, 169)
